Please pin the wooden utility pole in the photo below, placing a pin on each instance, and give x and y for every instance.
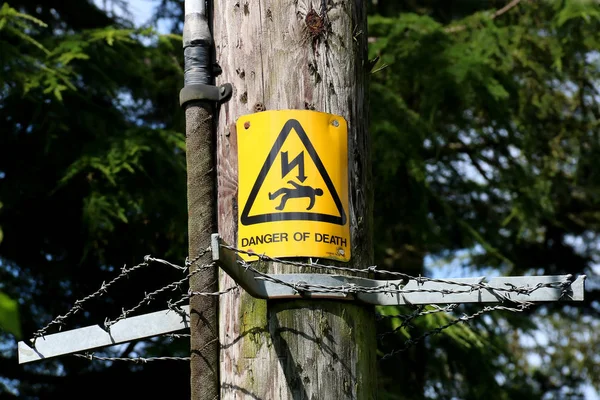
(295, 54)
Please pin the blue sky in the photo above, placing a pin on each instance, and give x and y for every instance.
(142, 9)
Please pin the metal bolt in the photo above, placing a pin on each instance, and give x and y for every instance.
(246, 124)
(335, 123)
(222, 89)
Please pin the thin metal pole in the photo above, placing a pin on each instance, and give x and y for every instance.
(197, 42)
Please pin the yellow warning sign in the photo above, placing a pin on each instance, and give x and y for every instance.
(293, 184)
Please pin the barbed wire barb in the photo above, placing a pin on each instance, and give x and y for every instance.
(149, 297)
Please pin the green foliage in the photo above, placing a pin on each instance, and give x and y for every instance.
(110, 165)
(9, 316)
(92, 175)
(577, 10)
(29, 63)
(16, 24)
(469, 96)
(485, 139)
(486, 123)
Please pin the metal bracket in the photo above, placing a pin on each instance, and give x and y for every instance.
(199, 92)
(379, 292)
(96, 336)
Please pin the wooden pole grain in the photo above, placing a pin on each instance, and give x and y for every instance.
(295, 54)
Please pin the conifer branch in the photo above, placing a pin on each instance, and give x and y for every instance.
(503, 10)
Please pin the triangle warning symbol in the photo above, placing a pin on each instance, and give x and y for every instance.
(247, 219)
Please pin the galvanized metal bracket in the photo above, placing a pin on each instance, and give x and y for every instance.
(96, 336)
(200, 92)
(395, 292)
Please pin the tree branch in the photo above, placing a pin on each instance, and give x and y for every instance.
(460, 28)
(503, 10)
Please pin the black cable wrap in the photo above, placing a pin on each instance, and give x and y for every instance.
(197, 64)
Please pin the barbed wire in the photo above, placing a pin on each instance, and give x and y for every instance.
(311, 264)
(177, 335)
(78, 304)
(520, 307)
(399, 288)
(136, 360)
(408, 318)
(189, 263)
(393, 288)
(386, 287)
(149, 297)
(192, 293)
(436, 309)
